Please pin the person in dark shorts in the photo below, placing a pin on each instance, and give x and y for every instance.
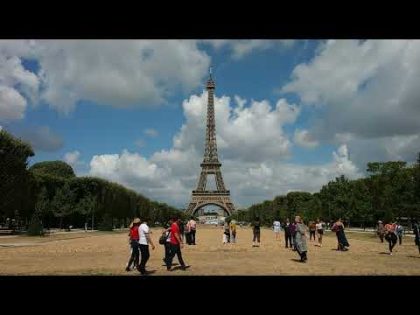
(312, 230)
(256, 225)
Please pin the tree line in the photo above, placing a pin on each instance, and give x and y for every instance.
(50, 195)
(391, 191)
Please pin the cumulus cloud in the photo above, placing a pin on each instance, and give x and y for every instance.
(241, 48)
(117, 73)
(151, 132)
(252, 148)
(304, 139)
(367, 90)
(17, 85)
(72, 158)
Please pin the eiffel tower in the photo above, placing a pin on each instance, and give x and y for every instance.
(210, 166)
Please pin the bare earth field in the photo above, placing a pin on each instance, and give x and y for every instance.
(106, 253)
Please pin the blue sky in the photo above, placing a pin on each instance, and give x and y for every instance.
(103, 108)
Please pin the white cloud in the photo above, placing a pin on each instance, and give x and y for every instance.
(241, 48)
(369, 94)
(253, 144)
(304, 139)
(72, 158)
(109, 72)
(12, 104)
(151, 132)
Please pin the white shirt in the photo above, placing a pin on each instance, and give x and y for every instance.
(319, 226)
(143, 230)
(276, 224)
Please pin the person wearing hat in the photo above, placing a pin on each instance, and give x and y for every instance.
(381, 231)
(134, 244)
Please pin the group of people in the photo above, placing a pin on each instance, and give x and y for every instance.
(315, 229)
(393, 232)
(139, 239)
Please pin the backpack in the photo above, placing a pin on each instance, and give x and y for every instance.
(163, 238)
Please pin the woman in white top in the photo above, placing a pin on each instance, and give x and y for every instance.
(319, 231)
(276, 227)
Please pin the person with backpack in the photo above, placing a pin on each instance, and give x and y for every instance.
(391, 236)
(134, 244)
(165, 240)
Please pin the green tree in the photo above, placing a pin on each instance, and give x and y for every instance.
(53, 168)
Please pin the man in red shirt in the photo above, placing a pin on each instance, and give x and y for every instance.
(175, 245)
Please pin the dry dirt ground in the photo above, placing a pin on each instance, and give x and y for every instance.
(102, 253)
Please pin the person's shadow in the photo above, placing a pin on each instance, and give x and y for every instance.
(412, 256)
(384, 253)
(180, 268)
(296, 260)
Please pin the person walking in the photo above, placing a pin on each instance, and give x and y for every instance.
(292, 229)
(276, 228)
(144, 241)
(381, 231)
(233, 231)
(300, 239)
(175, 246)
(167, 235)
(256, 225)
(134, 244)
(320, 231)
(338, 228)
(192, 227)
(400, 232)
(391, 236)
(287, 234)
(226, 232)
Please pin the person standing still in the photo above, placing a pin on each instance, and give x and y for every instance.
(300, 239)
(256, 231)
(193, 227)
(233, 231)
(144, 241)
(287, 234)
(416, 231)
(312, 230)
(276, 228)
(175, 246)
